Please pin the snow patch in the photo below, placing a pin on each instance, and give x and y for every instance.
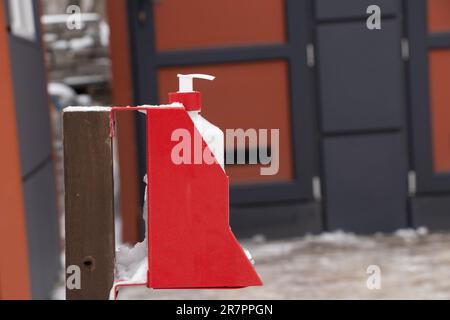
(411, 235)
(109, 109)
(132, 264)
(87, 109)
(338, 237)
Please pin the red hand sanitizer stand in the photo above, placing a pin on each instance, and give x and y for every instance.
(190, 241)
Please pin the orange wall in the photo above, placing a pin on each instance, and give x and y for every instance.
(440, 108)
(439, 21)
(123, 96)
(193, 24)
(438, 15)
(14, 273)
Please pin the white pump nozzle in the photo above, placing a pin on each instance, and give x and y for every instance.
(187, 81)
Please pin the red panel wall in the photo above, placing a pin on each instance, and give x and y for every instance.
(194, 24)
(440, 107)
(438, 15)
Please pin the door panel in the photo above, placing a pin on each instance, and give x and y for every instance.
(30, 89)
(366, 183)
(42, 232)
(32, 105)
(361, 77)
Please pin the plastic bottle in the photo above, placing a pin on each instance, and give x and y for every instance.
(213, 136)
(192, 101)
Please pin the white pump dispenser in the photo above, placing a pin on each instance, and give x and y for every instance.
(187, 81)
(213, 136)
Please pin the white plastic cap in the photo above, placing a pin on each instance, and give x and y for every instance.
(187, 81)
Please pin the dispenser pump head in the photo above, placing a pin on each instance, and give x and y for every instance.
(186, 95)
(187, 81)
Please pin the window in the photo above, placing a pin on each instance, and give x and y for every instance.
(235, 101)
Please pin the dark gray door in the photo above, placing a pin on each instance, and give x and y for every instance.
(362, 108)
(366, 185)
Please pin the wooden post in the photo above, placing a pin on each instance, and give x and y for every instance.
(89, 201)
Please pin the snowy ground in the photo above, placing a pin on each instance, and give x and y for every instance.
(414, 265)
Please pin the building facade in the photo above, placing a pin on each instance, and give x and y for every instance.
(363, 115)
